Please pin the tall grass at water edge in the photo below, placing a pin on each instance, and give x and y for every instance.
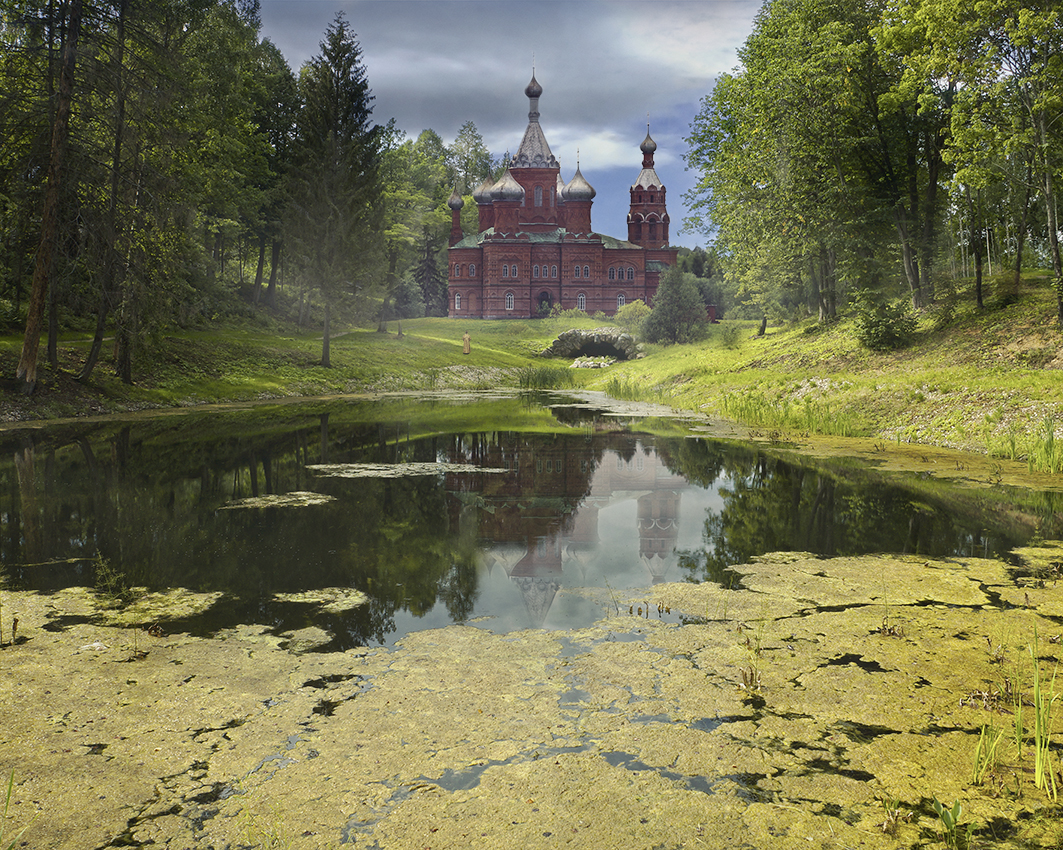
(626, 389)
(1042, 451)
(807, 414)
(545, 377)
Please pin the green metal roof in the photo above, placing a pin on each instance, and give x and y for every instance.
(610, 243)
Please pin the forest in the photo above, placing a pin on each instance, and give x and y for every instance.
(863, 152)
(164, 166)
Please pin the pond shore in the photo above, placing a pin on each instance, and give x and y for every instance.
(987, 382)
(822, 703)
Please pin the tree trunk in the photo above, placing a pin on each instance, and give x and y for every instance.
(261, 267)
(274, 266)
(325, 361)
(42, 272)
(908, 260)
(111, 258)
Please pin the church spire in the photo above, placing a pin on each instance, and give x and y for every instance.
(534, 152)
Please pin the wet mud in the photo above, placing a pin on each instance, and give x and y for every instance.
(812, 703)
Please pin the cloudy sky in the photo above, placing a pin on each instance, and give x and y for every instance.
(606, 67)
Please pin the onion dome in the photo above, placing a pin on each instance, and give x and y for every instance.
(534, 89)
(455, 201)
(648, 145)
(482, 195)
(507, 189)
(578, 189)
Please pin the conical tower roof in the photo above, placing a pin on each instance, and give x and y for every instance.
(534, 152)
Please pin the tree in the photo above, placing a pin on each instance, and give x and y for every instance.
(469, 158)
(336, 220)
(42, 272)
(1006, 57)
(678, 314)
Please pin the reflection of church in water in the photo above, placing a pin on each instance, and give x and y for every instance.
(539, 520)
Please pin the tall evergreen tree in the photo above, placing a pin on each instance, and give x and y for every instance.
(337, 220)
(678, 313)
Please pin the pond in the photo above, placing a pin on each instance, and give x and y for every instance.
(519, 621)
(413, 514)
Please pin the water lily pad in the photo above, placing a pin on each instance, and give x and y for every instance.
(332, 599)
(295, 499)
(394, 470)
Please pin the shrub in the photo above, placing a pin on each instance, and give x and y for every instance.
(731, 336)
(882, 325)
(632, 316)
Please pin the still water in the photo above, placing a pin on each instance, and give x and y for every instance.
(489, 511)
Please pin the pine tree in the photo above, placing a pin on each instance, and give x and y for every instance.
(678, 312)
(336, 221)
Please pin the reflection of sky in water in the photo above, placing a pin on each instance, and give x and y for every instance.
(614, 563)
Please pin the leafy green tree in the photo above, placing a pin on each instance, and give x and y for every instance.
(469, 158)
(415, 187)
(1006, 58)
(678, 314)
(336, 220)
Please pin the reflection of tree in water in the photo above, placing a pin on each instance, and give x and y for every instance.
(771, 505)
(146, 497)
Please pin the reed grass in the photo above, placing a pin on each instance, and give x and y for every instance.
(626, 389)
(808, 414)
(1044, 700)
(545, 377)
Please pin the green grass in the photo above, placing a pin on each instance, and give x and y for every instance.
(988, 382)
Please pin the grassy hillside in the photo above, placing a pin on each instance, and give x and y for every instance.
(990, 380)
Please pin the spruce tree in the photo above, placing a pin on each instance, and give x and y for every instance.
(678, 313)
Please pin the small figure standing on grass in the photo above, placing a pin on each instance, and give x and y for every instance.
(466, 343)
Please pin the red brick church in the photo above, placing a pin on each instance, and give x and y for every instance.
(535, 244)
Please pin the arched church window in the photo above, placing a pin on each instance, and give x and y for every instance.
(620, 300)
(575, 272)
(472, 269)
(513, 270)
(457, 270)
(553, 271)
(505, 270)
(612, 274)
(538, 196)
(457, 300)
(535, 271)
(586, 271)
(630, 273)
(509, 300)
(581, 302)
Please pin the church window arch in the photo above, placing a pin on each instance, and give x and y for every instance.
(513, 270)
(630, 273)
(581, 302)
(620, 300)
(472, 269)
(457, 300)
(553, 271)
(612, 274)
(509, 300)
(575, 272)
(535, 270)
(538, 196)
(505, 269)
(457, 270)
(587, 271)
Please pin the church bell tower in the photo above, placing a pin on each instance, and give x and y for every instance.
(647, 220)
